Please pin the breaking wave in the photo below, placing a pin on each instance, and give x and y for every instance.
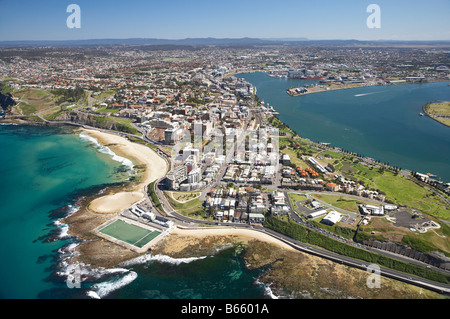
(103, 289)
(160, 258)
(267, 290)
(105, 150)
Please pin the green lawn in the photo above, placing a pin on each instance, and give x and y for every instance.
(296, 197)
(34, 100)
(397, 188)
(107, 110)
(27, 108)
(344, 202)
(438, 108)
(190, 208)
(403, 191)
(184, 196)
(104, 95)
(122, 124)
(294, 158)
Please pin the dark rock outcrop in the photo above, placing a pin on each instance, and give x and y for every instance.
(6, 101)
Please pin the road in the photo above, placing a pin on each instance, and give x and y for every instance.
(316, 251)
(387, 272)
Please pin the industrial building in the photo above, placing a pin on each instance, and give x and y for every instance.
(332, 218)
(371, 210)
(317, 213)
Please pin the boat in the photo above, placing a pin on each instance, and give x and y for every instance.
(421, 114)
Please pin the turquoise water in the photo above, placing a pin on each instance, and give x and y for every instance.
(43, 172)
(381, 122)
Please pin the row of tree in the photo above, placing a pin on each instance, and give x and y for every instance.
(68, 95)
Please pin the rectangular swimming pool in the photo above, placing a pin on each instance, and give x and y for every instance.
(129, 233)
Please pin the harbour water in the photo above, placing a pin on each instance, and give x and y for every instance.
(44, 172)
(381, 122)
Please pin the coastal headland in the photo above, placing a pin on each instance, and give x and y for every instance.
(296, 91)
(96, 210)
(290, 273)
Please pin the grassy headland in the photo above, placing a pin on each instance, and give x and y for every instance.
(440, 111)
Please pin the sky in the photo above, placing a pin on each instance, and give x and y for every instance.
(180, 19)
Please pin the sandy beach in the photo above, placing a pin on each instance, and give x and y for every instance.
(244, 235)
(155, 168)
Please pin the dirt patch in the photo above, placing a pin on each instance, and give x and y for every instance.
(102, 253)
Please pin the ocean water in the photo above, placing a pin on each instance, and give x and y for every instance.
(220, 276)
(381, 122)
(44, 171)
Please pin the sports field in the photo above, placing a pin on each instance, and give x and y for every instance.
(129, 233)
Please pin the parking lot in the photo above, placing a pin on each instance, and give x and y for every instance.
(405, 218)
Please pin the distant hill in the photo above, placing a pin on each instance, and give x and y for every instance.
(219, 42)
(142, 41)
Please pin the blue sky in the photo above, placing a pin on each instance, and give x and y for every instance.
(179, 19)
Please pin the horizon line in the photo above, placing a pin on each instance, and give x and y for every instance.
(288, 39)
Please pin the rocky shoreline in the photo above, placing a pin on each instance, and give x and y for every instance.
(293, 274)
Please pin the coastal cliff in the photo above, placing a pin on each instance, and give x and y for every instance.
(6, 101)
(98, 121)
